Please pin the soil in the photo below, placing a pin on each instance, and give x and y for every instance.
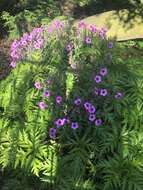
(4, 58)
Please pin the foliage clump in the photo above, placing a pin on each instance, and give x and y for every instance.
(18, 17)
(71, 112)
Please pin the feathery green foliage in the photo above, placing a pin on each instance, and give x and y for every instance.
(103, 158)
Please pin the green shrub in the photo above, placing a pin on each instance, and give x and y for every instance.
(23, 22)
(64, 77)
(83, 2)
(20, 17)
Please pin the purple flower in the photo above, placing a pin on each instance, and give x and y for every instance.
(67, 120)
(37, 30)
(92, 117)
(52, 133)
(82, 24)
(118, 95)
(74, 125)
(88, 40)
(37, 85)
(110, 45)
(23, 42)
(50, 30)
(103, 29)
(97, 78)
(87, 105)
(91, 109)
(77, 102)
(14, 55)
(13, 64)
(103, 71)
(47, 93)
(103, 92)
(49, 81)
(60, 122)
(37, 46)
(64, 121)
(40, 41)
(102, 33)
(42, 105)
(96, 91)
(58, 99)
(14, 44)
(98, 122)
(30, 37)
(93, 28)
(58, 24)
(69, 47)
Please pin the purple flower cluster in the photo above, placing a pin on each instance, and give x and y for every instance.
(92, 113)
(82, 25)
(32, 41)
(15, 53)
(90, 110)
(98, 79)
(102, 33)
(101, 92)
(60, 122)
(89, 107)
(29, 41)
(63, 121)
(46, 94)
(92, 28)
(58, 24)
(103, 72)
(35, 41)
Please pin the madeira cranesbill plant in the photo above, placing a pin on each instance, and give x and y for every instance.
(70, 110)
